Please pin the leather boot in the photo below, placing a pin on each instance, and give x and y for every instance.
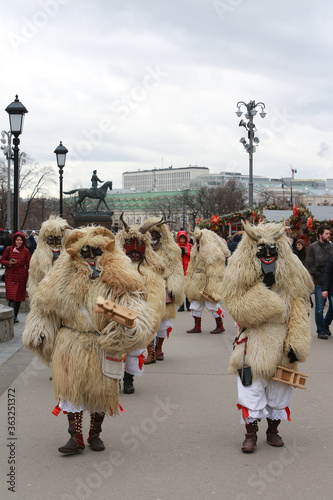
(158, 353)
(219, 326)
(151, 354)
(75, 443)
(95, 442)
(181, 309)
(197, 326)
(272, 433)
(250, 441)
(16, 311)
(128, 383)
(187, 304)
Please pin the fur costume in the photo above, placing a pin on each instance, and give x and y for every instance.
(276, 318)
(167, 249)
(63, 326)
(151, 268)
(44, 257)
(207, 266)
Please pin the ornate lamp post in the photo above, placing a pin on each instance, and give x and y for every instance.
(61, 152)
(250, 146)
(7, 151)
(16, 112)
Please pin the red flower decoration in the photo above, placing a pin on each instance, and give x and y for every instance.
(215, 219)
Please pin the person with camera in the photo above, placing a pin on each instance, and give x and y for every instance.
(16, 259)
(185, 247)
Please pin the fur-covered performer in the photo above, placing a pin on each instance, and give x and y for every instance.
(205, 274)
(51, 241)
(136, 243)
(86, 347)
(266, 290)
(167, 249)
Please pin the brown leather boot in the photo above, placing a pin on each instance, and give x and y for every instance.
(159, 354)
(250, 441)
(197, 326)
(75, 444)
(272, 433)
(219, 326)
(95, 442)
(151, 358)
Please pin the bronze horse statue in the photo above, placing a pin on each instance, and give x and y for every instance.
(98, 194)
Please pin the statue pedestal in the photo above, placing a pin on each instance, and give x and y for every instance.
(97, 218)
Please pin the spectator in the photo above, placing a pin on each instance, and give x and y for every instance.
(35, 235)
(31, 244)
(234, 240)
(300, 251)
(318, 255)
(185, 247)
(16, 258)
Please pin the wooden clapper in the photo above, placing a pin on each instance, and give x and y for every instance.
(118, 313)
(290, 377)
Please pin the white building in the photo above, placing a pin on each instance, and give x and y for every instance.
(162, 179)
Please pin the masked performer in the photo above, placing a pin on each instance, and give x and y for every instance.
(136, 243)
(266, 290)
(85, 346)
(167, 249)
(51, 241)
(203, 282)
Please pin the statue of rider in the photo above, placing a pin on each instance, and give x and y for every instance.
(94, 181)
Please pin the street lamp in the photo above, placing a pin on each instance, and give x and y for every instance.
(250, 147)
(7, 151)
(61, 152)
(16, 112)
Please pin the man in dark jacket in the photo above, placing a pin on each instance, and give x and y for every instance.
(317, 257)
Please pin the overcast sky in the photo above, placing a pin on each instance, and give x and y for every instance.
(129, 84)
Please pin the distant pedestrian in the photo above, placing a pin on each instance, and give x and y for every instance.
(185, 247)
(31, 244)
(16, 258)
(300, 251)
(318, 255)
(234, 240)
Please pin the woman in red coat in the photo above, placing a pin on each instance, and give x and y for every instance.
(16, 259)
(185, 246)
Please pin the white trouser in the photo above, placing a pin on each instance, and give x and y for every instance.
(165, 324)
(197, 308)
(264, 399)
(132, 364)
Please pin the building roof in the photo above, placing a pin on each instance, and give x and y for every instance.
(321, 212)
(190, 167)
(137, 201)
(277, 215)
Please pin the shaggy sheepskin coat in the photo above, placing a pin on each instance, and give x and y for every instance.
(170, 254)
(277, 318)
(207, 266)
(151, 270)
(59, 330)
(43, 259)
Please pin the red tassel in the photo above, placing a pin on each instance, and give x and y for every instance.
(141, 360)
(121, 408)
(56, 410)
(169, 330)
(288, 413)
(245, 411)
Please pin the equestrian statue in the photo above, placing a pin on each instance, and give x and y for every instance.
(95, 193)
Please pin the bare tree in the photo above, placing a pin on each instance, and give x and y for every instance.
(34, 180)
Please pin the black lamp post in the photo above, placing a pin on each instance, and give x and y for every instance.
(61, 152)
(16, 112)
(250, 147)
